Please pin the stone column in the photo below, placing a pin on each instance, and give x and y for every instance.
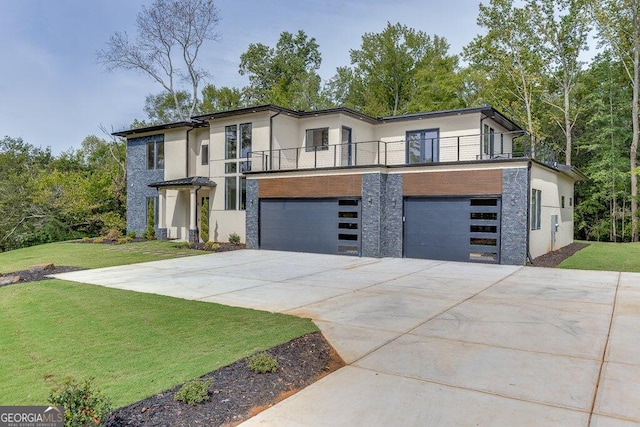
(252, 222)
(193, 221)
(162, 214)
(515, 209)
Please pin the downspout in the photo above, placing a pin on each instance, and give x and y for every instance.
(271, 139)
(529, 257)
(482, 119)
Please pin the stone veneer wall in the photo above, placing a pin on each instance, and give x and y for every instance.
(392, 211)
(138, 179)
(372, 189)
(252, 233)
(515, 209)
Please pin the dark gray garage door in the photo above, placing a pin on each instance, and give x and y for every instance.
(329, 226)
(452, 229)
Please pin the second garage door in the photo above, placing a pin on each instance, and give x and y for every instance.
(452, 229)
(330, 226)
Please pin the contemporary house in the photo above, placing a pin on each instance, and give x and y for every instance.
(463, 185)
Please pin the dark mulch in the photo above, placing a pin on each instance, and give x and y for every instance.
(221, 247)
(36, 274)
(237, 393)
(555, 258)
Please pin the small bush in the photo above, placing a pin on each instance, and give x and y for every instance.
(234, 238)
(113, 234)
(85, 239)
(212, 246)
(204, 220)
(132, 234)
(123, 240)
(98, 239)
(185, 245)
(261, 363)
(194, 392)
(83, 404)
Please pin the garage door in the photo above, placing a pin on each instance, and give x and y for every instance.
(452, 229)
(329, 226)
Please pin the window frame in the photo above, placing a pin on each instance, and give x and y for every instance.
(536, 209)
(324, 143)
(424, 142)
(204, 157)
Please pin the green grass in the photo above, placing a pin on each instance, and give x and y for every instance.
(606, 256)
(89, 255)
(134, 344)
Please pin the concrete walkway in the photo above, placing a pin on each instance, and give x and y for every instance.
(432, 343)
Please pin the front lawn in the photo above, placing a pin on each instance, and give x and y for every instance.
(134, 344)
(91, 255)
(606, 256)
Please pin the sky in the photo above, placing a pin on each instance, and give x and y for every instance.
(54, 93)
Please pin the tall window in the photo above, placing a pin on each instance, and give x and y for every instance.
(155, 152)
(204, 155)
(423, 146)
(536, 209)
(317, 139)
(488, 135)
(237, 148)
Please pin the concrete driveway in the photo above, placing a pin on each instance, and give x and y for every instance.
(432, 343)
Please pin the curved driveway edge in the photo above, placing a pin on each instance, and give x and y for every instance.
(431, 342)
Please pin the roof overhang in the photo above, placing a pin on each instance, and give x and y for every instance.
(194, 181)
(155, 128)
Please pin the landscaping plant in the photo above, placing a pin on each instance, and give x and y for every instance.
(262, 363)
(194, 392)
(83, 404)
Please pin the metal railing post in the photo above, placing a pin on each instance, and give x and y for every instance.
(315, 157)
(297, 156)
(458, 148)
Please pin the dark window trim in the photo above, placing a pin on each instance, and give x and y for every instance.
(435, 152)
(314, 147)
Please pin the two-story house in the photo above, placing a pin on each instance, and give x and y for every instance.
(463, 185)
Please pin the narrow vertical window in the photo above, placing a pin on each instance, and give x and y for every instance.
(160, 155)
(245, 139)
(151, 155)
(536, 209)
(204, 155)
(562, 202)
(243, 193)
(231, 142)
(231, 193)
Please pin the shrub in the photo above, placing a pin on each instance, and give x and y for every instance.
(261, 363)
(234, 238)
(185, 245)
(83, 404)
(113, 234)
(204, 220)
(212, 246)
(132, 234)
(123, 240)
(85, 239)
(150, 234)
(98, 239)
(194, 392)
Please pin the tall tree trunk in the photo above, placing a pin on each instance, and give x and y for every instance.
(567, 123)
(633, 154)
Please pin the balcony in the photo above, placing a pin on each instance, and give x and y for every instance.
(464, 148)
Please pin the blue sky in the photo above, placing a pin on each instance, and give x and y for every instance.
(54, 93)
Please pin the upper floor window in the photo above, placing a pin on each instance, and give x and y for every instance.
(317, 139)
(231, 141)
(423, 146)
(155, 154)
(204, 155)
(488, 141)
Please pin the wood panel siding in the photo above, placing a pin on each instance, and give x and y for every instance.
(311, 186)
(453, 183)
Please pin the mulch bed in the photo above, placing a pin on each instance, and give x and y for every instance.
(555, 258)
(222, 247)
(237, 393)
(36, 274)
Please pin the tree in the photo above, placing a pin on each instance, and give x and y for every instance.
(161, 108)
(285, 75)
(511, 66)
(382, 79)
(618, 24)
(169, 33)
(220, 99)
(562, 26)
